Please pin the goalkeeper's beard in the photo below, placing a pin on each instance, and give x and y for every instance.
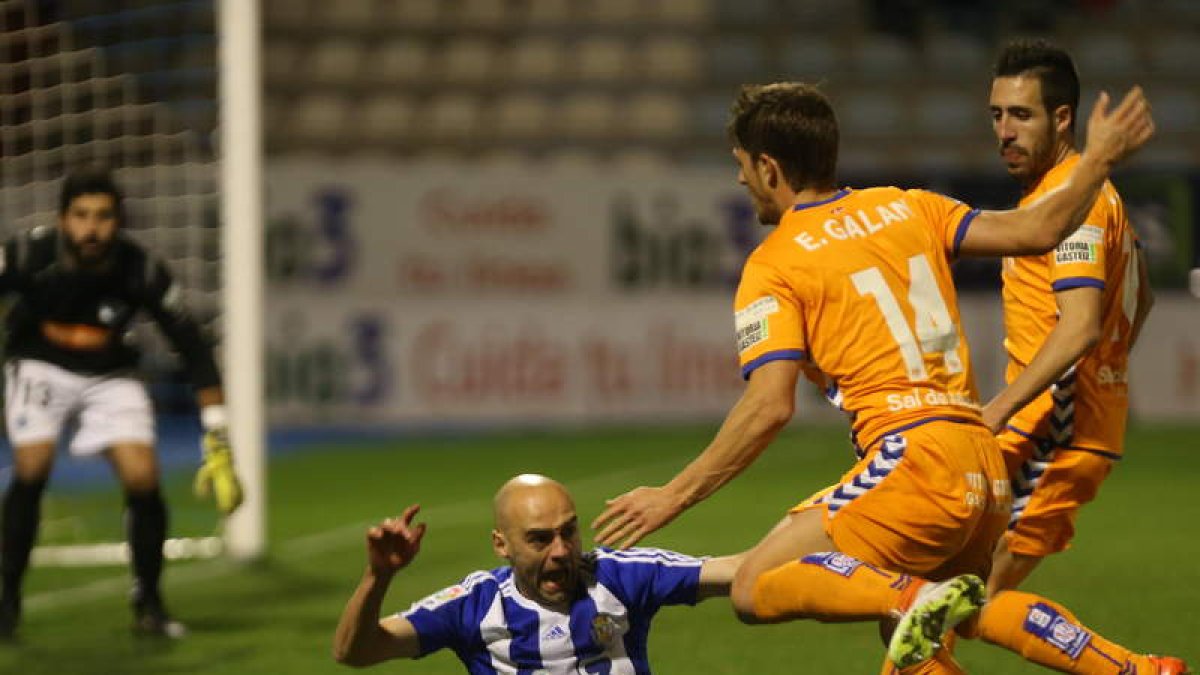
(89, 252)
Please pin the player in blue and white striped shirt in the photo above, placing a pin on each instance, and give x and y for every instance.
(554, 609)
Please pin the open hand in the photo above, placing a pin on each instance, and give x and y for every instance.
(1115, 135)
(633, 515)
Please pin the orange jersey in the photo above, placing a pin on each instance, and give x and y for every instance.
(858, 288)
(1085, 409)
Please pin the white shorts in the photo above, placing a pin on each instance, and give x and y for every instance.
(42, 399)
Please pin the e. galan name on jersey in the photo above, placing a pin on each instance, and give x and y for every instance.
(856, 225)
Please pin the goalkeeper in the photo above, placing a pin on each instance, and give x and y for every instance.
(78, 286)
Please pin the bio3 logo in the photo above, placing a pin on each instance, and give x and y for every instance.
(351, 367)
(314, 246)
(655, 247)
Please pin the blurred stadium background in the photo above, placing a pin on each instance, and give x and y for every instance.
(502, 235)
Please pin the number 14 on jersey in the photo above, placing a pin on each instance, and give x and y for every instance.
(933, 331)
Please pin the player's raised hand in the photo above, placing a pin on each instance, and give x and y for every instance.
(392, 544)
(1114, 135)
(627, 519)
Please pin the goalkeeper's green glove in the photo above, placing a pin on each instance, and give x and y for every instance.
(216, 476)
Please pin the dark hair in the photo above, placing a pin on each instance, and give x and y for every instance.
(90, 182)
(794, 124)
(1051, 65)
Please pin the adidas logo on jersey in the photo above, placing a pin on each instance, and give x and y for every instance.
(555, 633)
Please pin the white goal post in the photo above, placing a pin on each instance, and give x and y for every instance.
(239, 33)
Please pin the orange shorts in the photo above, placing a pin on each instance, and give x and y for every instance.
(931, 501)
(1048, 489)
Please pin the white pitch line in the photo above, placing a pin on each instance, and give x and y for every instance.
(450, 515)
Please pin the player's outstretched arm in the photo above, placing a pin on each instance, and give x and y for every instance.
(362, 638)
(716, 576)
(1076, 332)
(764, 409)
(1041, 226)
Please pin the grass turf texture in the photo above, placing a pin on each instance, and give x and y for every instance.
(1131, 574)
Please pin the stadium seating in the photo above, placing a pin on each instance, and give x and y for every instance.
(318, 118)
(467, 61)
(955, 55)
(404, 14)
(1106, 54)
(656, 115)
(521, 116)
(883, 58)
(872, 113)
(452, 117)
(601, 59)
(346, 13)
(587, 116)
(398, 61)
(671, 60)
(681, 13)
(386, 119)
(948, 112)
(810, 57)
(334, 60)
(1176, 52)
(504, 76)
(737, 58)
(536, 61)
(1177, 110)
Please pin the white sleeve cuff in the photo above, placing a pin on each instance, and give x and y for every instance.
(214, 417)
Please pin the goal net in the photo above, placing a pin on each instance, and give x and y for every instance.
(131, 86)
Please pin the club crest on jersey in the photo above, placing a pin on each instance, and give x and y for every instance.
(605, 628)
(107, 312)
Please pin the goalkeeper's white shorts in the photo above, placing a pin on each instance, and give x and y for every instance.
(42, 400)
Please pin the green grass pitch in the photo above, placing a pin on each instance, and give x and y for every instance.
(1132, 573)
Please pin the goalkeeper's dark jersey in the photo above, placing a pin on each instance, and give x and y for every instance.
(78, 319)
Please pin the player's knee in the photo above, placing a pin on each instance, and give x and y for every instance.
(32, 464)
(140, 483)
(741, 596)
(138, 476)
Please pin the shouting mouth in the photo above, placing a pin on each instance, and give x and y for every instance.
(555, 581)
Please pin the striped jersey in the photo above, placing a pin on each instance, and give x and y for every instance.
(493, 628)
(857, 288)
(1086, 408)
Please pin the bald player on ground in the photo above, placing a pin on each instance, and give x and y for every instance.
(552, 609)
